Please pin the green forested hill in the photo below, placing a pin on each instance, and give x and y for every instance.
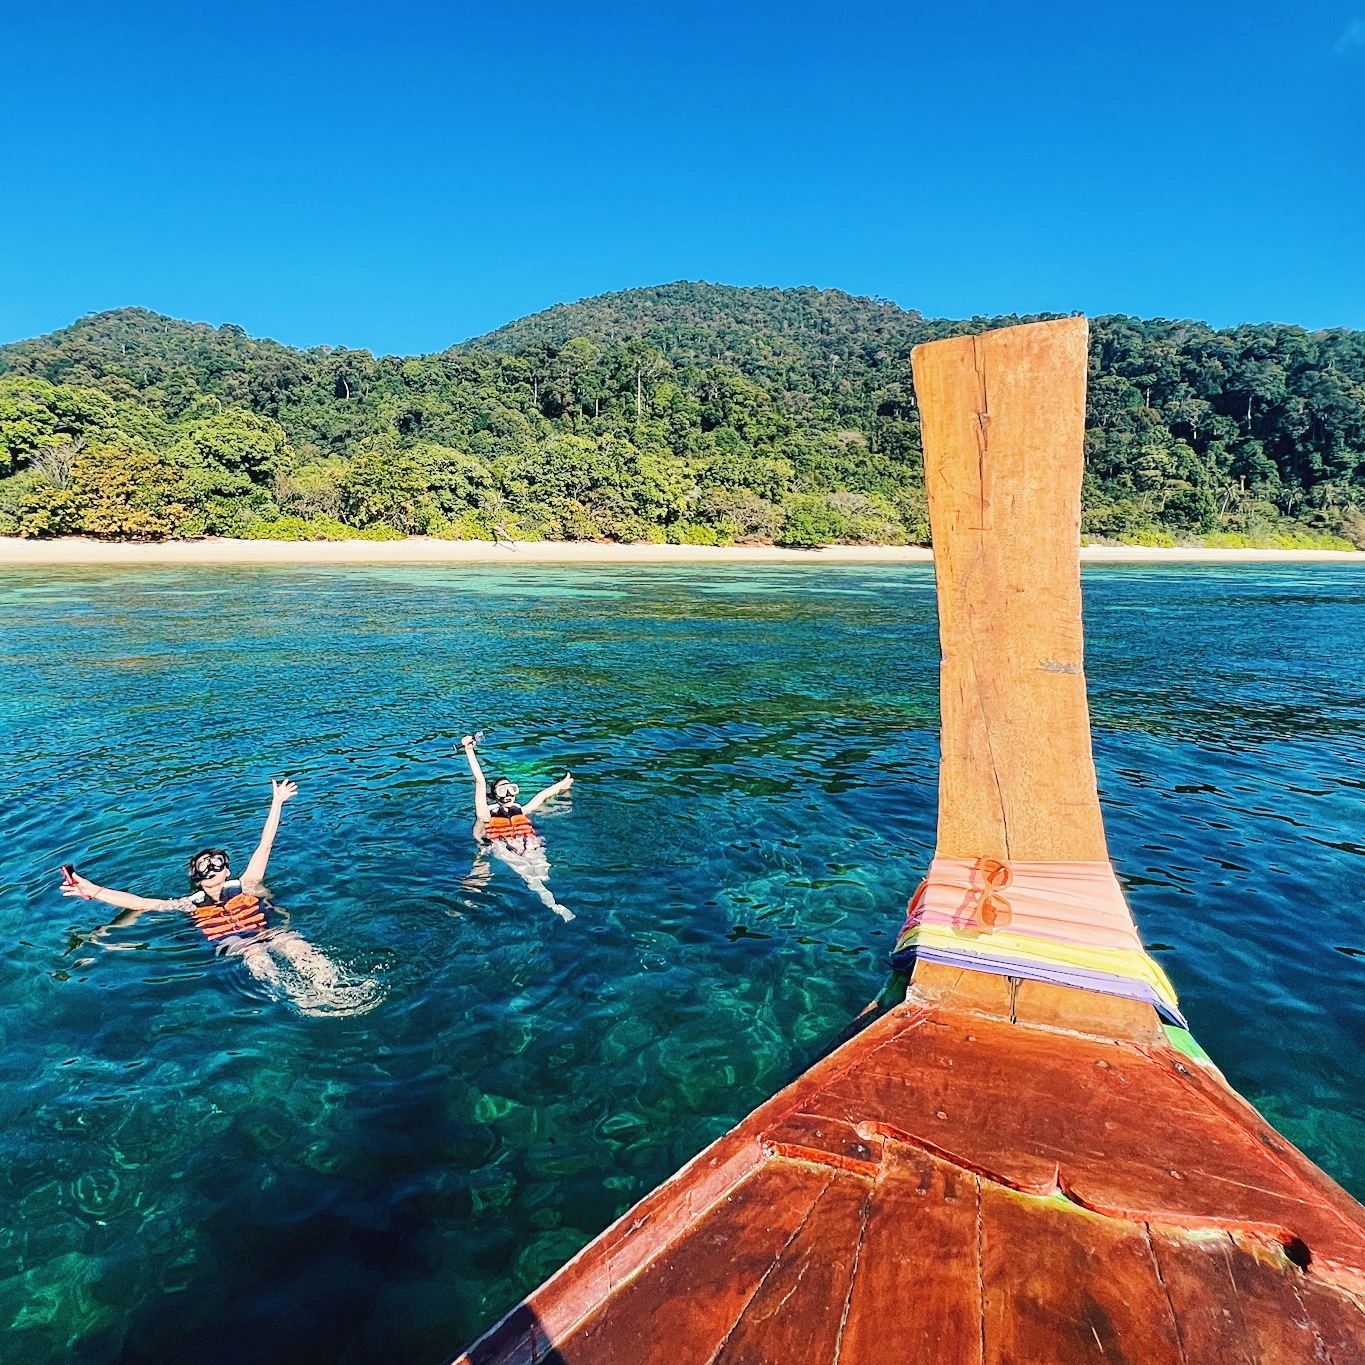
(707, 323)
(689, 412)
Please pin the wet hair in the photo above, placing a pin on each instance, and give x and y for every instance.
(195, 879)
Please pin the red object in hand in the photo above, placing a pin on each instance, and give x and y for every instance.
(69, 873)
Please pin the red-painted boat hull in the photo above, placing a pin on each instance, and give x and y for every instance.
(956, 1185)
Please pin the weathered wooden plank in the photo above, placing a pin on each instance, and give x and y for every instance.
(1128, 1131)
(916, 1296)
(1036, 1002)
(1266, 1284)
(1041, 1002)
(696, 1289)
(1234, 1304)
(1338, 1322)
(829, 1141)
(1063, 1285)
(797, 1312)
(1003, 420)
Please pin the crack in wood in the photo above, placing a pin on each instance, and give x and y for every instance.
(980, 1267)
(1166, 1290)
(1272, 1236)
(1243, 1334)
(866, 1212)
(763, 1279)
(1319, 1345)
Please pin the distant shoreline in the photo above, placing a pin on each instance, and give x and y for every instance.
(76, 550)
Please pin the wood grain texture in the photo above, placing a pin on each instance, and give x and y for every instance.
(1239, 1304)
(1095, 1297)
(696, 1290)
(953, 1186)
(1036, 1002)
(1003, 420)
(797, 1312)
(916, 1296)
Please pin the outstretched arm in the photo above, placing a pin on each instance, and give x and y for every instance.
(132, 906)
(540, 798)
(254, 876)
(480, 783)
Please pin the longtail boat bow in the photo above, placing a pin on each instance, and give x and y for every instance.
(1028, 1159)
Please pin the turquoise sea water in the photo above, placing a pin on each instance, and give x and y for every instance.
(192, 1168)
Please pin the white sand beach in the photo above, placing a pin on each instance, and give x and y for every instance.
(423, 549)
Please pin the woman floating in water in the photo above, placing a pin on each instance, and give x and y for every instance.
(235, 916)
(504, 828)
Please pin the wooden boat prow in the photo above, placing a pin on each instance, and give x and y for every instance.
(1002, 1167)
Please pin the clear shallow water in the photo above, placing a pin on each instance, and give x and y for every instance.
(192, 1169)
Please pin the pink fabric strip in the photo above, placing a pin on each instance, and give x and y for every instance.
(1080, 904)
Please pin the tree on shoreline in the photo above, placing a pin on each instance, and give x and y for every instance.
(690, 412)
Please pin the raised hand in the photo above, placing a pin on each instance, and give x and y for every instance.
(565, 782)
(80, 886)
(468, 742)
(280, 792)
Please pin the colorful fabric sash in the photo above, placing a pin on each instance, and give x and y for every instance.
(1067, 923)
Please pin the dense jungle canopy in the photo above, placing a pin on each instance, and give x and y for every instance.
(692, 413)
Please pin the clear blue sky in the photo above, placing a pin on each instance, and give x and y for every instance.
(401, 176)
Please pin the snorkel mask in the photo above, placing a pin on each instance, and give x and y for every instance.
(503, 790)
(205, 864)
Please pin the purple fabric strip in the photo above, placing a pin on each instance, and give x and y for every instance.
(1079, 977)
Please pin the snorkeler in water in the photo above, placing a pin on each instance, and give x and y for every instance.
(504, 829)
(237, 917)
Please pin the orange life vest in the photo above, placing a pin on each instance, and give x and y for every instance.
(516, 826)
(241, 914)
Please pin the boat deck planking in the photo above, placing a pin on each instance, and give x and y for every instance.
(953, 1185)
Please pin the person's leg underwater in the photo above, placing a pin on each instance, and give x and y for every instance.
(289, 966)
(533, 867)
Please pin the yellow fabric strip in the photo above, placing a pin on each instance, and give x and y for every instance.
(1121, 962)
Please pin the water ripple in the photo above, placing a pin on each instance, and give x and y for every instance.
(190, 1168)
